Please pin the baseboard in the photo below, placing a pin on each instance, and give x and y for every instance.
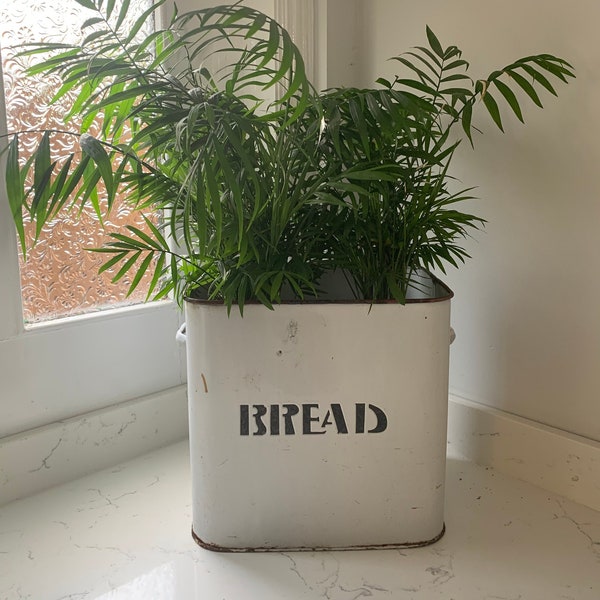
(558, 461)
(53, 454)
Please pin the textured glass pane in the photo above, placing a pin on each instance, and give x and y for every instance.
(60, 277)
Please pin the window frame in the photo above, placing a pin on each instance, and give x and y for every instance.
(66, 367)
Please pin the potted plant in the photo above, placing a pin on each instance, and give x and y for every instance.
(300, 227)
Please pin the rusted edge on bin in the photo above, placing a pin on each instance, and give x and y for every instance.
(447, 294)
(217, 548)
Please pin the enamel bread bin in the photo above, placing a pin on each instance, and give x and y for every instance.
(318, 426)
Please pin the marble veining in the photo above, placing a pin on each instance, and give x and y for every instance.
(124, 534)
(564, 463)
(70, 448)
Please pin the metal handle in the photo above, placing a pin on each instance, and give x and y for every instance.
(452, 335)
(181, 336)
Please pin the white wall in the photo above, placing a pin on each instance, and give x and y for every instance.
(527, 306)
(344, 42)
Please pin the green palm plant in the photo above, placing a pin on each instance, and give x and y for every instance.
(261, 192)
(402, 218)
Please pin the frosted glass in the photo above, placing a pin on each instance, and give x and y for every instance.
(60, 277)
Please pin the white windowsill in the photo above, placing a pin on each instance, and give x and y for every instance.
(103, 314)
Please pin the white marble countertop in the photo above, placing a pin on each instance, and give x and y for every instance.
(124, 534)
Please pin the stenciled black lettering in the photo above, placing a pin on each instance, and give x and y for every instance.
(308, 418)
(260, 410)
(360, 418)
(244, 419)
(381, 419)
(338, 417)
(274, 417)
(290, 410)
(311, 422)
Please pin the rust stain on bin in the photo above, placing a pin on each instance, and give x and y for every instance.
(217, 548)
(443, 293)
(204, 383)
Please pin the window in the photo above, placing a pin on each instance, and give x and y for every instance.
(59, 278)
(67, 367)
